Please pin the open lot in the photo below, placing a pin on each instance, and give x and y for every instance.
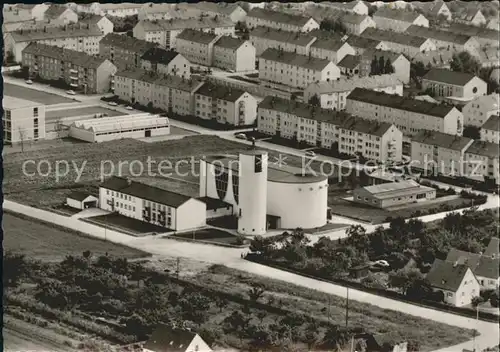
(47, 242)
(59, 114)
(130, 225)
(34, 95)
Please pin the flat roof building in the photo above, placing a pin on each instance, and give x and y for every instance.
(22, 121)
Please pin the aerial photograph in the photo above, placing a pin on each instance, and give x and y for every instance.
(244, 176)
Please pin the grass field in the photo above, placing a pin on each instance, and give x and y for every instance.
(209, 235)
(34, 95)
(57, 114)
(130, 225)
(42, 241)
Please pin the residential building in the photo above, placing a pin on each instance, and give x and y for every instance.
(357, 7)
(62, 13)
(354, 24)
(490, 130)
(455, 281)
(361, 44)
(330, 49)
(74, 37)
(165, 11)
(446, 40)
(171, 93)
(398, 20)
(197, 46)
(493, 24)
(484, 36)
(89, 8)
(446, 83)
(326, 129)
(119, 9)
(433, 9)
(224, 104)
(263, 38)
(165, 32)
(481, 162)
(399, 62)
(233, 11)
(167, 62)
(279, 20)
(102, 22)
(295, 70)
(478, 111)
(400, 42)
(29, 25)
(90, 74)
(123, 51)
(150, 204)
(12, 15)
(349, 65)
(234, 54)
(439, 153)
(492, 250)
(409, 115)
(333, 95)
(484, 267)
(393, 194)
(473, 16)
(22, 120)
(165, 338)
(27, 11)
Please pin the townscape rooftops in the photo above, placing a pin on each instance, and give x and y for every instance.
(492, 124)
(376, 53)
(171, 81)
(278, 35)
(183, 23)
(349, 84)
(322, 34)
(229, 42)
(443, 140)
(294, 59)
(125, 42)
(343, 5)
(481, 265)
(120, 5)
(492, 250)
(350, 61)
(193, 35)
(159, 55)
(399, 102)
(474, 31)
(393, 189)
(143, 191)
(433, 33)
(353, 18)
(395, 14)
(430, 7)
(363, 43)
(448, 77)
(332, 44)
(68, 31)
(13, 16)
(77, 58)
(446, 275)
(278, 16)
(91, 18)
(17, 103)
(470, 14)
(220, 92)
(394, 37)
(484, 149)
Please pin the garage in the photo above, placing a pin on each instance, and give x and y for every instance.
(80, 200)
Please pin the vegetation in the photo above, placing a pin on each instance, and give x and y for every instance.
(333, 26)
(314, 100)
(380, 66)
(473, 132)
(465, 62)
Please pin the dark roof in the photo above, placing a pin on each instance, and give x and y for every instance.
(220, 7)
(295, 59)
(80, 196)
(229, 42)
(470, 14)
(492, 249)
(143, 191)
(172, 81)
(67, 31)
(91, 18)
(433, 33)
(350, 61)
(484, 149)
(448, 76)
(197, 36)
(322, 34)
(220, 92)
(493, 123)
(377, 53)
(395, 14)
(279, 35)
(430, 8)
(278, 16)
(214, 203)
(474, 31)
(159, 55)
(328, 44)
(54, 11)
(365, 126)
(183, 23)
(440, 139)
(167, 339)
(446, 275)
(125, 42)
(398, 102)
(363, 43)
(480, 265)
(394, 37)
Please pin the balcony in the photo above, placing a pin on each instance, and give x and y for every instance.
(74, 85)
(72, 70)
(74, 78)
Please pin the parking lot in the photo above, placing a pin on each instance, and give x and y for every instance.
(34, 95)
(90, 110)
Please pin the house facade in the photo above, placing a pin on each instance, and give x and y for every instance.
(478, 111)
(233, 54)
(197, 46)
(263, 38)
(490, 130)
(446, 83)
(400, 42)
(398, 20)
(279, 20)
(167, 62)
(481, 162)
(22, 120)
(123, 51)
(330, 49)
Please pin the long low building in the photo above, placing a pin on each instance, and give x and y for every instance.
(400, 42)
(117, 127)
(446, 40)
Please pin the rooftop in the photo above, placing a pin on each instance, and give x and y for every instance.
(493, 123)
(125, 42)
(448, 77)
(350, 61)
(278, 35)
(81, 196)
(399, 102)
(470, 14)
(278, 16)
(116, 123)
(446, 275)
(393, 189)
(442, 140)
(349, 84)
(481, 265)
(166, 338)
(473, 31)
(220, 92)
(391, 55)
(13, 15)
(445, 36)
(200, 37)
(229, 42)
(362, 42)
(55, 10)
(159, 55)
(294, 59)
(488, 149)
(395, 14)
(492, 250)
(332, 44)
(172, 81)
(220, 7)
(371, 127)
(344, 5)
(394, 37)
(182, 23)
(119, 5)
(16, 103)
(74, 30)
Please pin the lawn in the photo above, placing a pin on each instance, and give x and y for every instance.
(58, 114)
(133, 226)
(210, 235)
(34, 95)
(46, 242)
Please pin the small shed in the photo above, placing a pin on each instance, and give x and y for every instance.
(359, 271)
(81, 200)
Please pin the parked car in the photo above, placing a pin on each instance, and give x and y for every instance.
(112, 103)
(381, 263)
(129, 108)
(29, 81)
(310, 153)
(241, 136)
(70, 92)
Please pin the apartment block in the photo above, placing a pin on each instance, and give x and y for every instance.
(353, 23)
(484, 36)
(197, 46)
(263, 38)
(83, 72)
(102, 22)
(22, 120)
(167, 62)
(446, 83)
(295, 70)
(361, 44)
(490, 130)
(473, 16)
(477, 111)
(409, 115)
(433, 9)
(446, 40)
(225, 105)
(279, 20)
(333, 49)
(400, 42)
(398, 20)
(233, 11)
(481, 162)
(119, 9)
(123, 51)
(233, 54)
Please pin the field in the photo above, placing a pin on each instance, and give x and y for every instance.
(34, 95)
(90, 110)
(130, 225)
(209, 235)
(46, 242)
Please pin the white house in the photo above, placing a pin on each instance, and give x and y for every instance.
(357, 7)
(279, 20)
(446, 40)
(167, 62)
(490, 130)
(102, 22)
(398, 20)
(446, 83)
(481, 162)
(264, 38)
(399, 62)
(433, 9)
(361, 44)
(80, 200)
(61, 13)
(197, 46)
(330, 49)
(233, 54)
(165, 338)
(477, 111)
(484, 267)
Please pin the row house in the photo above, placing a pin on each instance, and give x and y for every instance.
(225, 105)
(279, 20)
(333, 95)
(123, 51)
(320, 127)
(481, 162)
(446, 83)
(446, 40)
(355, 7)
(167, 92)
(74, 37)
(408, 114)
(433, 9)
(197, 46)
(168, 62)
(165, 32)
(233, 11)
(263, 38)
(83, 72)
(362, 44)
(484, 36)
(399, 62)
(295, 70)
(14, 12)
(490, 130)
(400, 42)
(398, 20)
(123, 9)
(29, 25)
(354, 24)
(349, 65)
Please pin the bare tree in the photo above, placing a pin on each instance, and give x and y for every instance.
(22, 137)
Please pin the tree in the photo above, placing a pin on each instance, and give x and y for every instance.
(476, 301)
(465, 62)
(473, 132)
(22, 137)
(404, 279)
(221, 303)
(237, 324)
(255, 293)
(15, 268)
(314, 100)
(381, 65)
(327, 25)
(388, 67)
(335, 337)
(374, 69)
(494, 300)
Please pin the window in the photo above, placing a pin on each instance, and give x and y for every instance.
(449, 294)
(35, 112)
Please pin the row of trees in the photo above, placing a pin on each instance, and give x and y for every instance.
(380, 66)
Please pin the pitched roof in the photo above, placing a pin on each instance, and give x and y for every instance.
(492, 249)
(399, 102)
(481, 265)
(433, 33)
(77, 58)
(353, 18)
(294, 59)
(143, 191)
(448, 76)
(470, 14)
(75, 30)
(172, 81)
(180, 23)
(220, 92)
(480, 32)
(361, 42)
(395, 14)
(229, 42)
(200, 37)
(294, 38)
(393, 189)
(55, 10)
(446, 275)
(394, 37)
(13, 15)
(159, 55)
(484, 149)
(376, 53)
(91, 18)
(349, 84)
(125, 42)
(322, 34)
(344, 5)
(371, 127)
(328, 44)
(493, 123)
(350, 61)
(278, 16)
(165, 338)
(431, 7)
(214, 203)
(81, 196)
(442, 140)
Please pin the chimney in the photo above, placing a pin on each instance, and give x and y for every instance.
(129, 181)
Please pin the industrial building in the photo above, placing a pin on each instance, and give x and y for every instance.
(393, 194)
(118, 127)
(22, 121)
(264, 196)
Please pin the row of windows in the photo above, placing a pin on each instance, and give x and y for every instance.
(125, 206)
(132, 130)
